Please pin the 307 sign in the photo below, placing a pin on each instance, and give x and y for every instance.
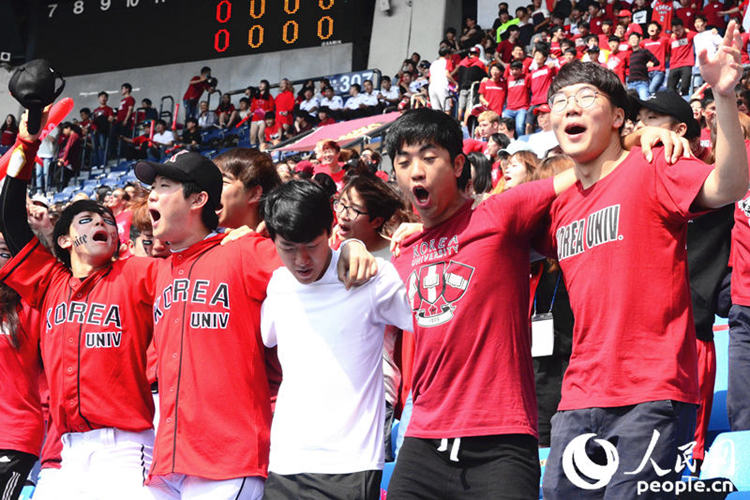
(342, 82)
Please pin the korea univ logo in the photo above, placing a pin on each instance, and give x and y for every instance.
(434, 290)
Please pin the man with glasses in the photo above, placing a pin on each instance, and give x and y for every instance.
(629, 394)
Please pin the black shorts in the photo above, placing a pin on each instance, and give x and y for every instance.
(488, 467)
(363, 485)
(14, 469)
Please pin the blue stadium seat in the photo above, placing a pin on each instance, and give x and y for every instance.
(543, 455)
(387, 473)
(719, 421)
(729, 457)
(26, 493)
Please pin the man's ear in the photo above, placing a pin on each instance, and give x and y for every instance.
(458, 165)
(199, 200)
(680, 129)
(619, 118)
(254, 195)
(65, 241)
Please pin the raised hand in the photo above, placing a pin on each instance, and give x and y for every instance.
(723, 70)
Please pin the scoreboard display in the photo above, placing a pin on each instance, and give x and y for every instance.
(93, 36)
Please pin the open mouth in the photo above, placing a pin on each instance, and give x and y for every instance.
(574, 129)
(421, 195)
(344, 228)
(155, 215)
(100, 236)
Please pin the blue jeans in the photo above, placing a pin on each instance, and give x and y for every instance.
(520, 116)
(629, 430)
(655, 79)
(191, 108)
(641, 87)
(738, 389)
(100, 148)
(41, 173)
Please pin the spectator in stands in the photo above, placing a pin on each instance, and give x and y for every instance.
(492, 91)
(85, 122)
(480, 182)
(471, 69)
(206, 117)
(525, 24)
(388, 95)
(302, 123)
(471, 33)
(162, 140)
(332, 103)
(544, 139)
(450, 37)
(227, 114)
(118, 202)
(504, 51)
(247, 176)
(658, 45)
(617, 61)
(370, 97)
(329, 162)
(243, 111)
(640, 61)
(272, 133)
(103, 116)
(285, 172)
(284, 103)
(198, 84)
(191, 135)
(261, 104)
(69, 157)
(519, 85)
(309, 103)
(542, 72)
(9, 131)
(682, 57)
(149, 112)
(48, 154)
(521, 167)
(357, 104)
(440, 80)
(122, 122)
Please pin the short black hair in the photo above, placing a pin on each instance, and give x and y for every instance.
(161, 122)
(102, 93)
(594, 74)
(357, 86)
(62, 226)
(326, 182)
(191, 119)
(127, 86)
(427, 126)
(655, 23)
(444, 51)
(502, 140)
(298, 211)
(205, 69)
(676, 21)
(382, 79)
(614, 38)
(146, 100)
(516, 65)
(543, 48)
(85, 110)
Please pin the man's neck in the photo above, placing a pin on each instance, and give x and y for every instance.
(190, 240)
(591, 172)
(82, 269)
(449, 212)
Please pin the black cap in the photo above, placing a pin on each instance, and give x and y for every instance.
(669, 102)
(33, 85)
(185, 166)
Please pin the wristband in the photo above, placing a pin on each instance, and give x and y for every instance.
(21, 162)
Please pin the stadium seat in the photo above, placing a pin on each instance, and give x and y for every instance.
(729, 457)
(27, 492)
(387, 473)
(543, 455)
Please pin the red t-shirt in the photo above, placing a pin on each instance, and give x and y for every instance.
(337, 177)
(526, 63)
(595, 25)
(260, 106)
(554, 49)
(473, 374)
(495, 93)
(93, 343)
(658, 48)
(662, 14)
(101, 114)
(713, 18)
(687, 15)
(622, 247)
(122, 111)
(617, 63)
(740, 257)
(681, 50)
(195, 90)
(20, 370)
(744, 55)
(272, 133)
(541, 79)
(504, 50)
(284, 106)
(518, 92)
(473, 146)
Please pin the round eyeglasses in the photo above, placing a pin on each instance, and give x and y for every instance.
(585, 98)
(347, 211)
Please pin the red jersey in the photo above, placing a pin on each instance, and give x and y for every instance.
(681, 51)
(495, 93)
(473, 146)
(555, 50)
(504, 50)
(713, 18)
(740, 255)
(215, 412)
(472, 370)
(526, 63)
(102, 113)
(260, 106)
(21, 372)
(541, 79)
(127, 103)
(662, 14)
(621, 244)
(272, 133)
(595, 25)
(658, 48)
(284, 106)
(518, 92)
(195, 90)
(617, 62)
(94, 338)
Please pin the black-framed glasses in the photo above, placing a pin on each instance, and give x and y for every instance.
(347, 211)
(585, 98)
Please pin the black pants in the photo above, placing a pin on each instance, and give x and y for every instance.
(488, 467)
(683, 75)
(363, 485)
(14, 469)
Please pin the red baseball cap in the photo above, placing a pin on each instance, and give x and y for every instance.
(543, 108)
(624, 13)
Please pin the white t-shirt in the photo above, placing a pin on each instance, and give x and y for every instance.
(166, 137)
(330, 407)
(309, 105)
(391, 94)
(333, 103)
(370, 99)
(354, 101)
(439, 74)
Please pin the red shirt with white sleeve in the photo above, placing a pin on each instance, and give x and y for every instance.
(473, 374)
(682, 51)
(494, 92)
(658, 47)
(621, 244)
(617, 62)
(518, 92)
(541, 79)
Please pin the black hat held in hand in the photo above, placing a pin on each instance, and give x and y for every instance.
(33, 85)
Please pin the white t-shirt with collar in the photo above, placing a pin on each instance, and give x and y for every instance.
(330, 407)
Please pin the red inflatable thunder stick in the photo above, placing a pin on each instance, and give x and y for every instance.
(57, 113)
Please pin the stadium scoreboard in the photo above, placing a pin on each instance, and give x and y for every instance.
(94, 36)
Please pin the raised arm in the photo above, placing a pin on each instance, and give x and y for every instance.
(728, 182)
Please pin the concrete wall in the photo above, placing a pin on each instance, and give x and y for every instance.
(410, 26)
(232, 72)
(8, 105)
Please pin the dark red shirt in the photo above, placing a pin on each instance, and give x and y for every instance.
(122, 111)
(195, 90)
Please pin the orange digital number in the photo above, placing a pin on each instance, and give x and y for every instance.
(262, 10)
(325, 27)
(285, 32)
(255, 36)
(326, 4)
(291, 10)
